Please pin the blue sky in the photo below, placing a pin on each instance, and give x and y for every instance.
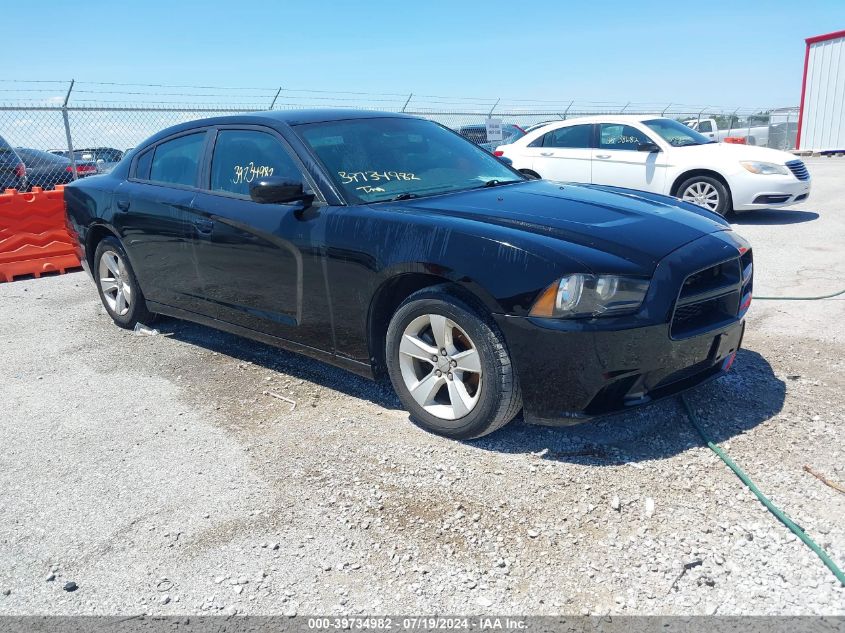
(741, 53)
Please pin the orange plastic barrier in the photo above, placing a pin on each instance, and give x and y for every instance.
(34, 237)
(736, 140)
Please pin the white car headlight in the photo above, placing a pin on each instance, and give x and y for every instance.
(582, 295)
(765, 169)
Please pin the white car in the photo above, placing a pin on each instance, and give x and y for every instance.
(660, 155)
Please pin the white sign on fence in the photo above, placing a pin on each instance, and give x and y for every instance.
(494, 130)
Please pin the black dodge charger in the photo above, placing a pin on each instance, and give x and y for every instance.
(389, 245)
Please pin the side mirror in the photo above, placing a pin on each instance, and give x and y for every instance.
(648, 147)
(279, 190)
(507, 161)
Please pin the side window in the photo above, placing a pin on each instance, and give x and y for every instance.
(538, 142)
(241, 156)
(176, 161)
(705, 126)
(142, 167)
(618, 136)
(575, 136)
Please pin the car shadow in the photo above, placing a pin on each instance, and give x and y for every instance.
(773, 216)
(729, 406)
(277, 359)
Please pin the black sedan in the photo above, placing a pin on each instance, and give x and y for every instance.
(47, 170)
(389, 245)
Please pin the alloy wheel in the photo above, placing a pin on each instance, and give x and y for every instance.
(114, 282)
(702, 194)
(441, 366)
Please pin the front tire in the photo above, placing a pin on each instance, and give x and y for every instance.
(450, 366)
(118, 288)
(707, 192)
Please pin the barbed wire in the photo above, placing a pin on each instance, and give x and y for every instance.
(136, 93)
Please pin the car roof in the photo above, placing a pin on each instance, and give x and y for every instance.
(289, 117)
(621, 118)
(318, 115)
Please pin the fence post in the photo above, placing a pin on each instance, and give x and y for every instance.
(731, 121)
(278, 92)
(407, 101)
(67, 131)
(489, 114)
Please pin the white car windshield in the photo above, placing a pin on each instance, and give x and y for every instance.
(677, 134)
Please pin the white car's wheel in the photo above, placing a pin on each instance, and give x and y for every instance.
(706, 192)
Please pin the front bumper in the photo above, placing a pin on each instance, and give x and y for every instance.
(571, 375)
(573, 369)
(751, 191)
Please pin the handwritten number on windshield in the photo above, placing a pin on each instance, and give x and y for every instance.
(375, 176)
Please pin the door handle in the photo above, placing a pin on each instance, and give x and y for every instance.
(602, 155)
(547, 153)
(203, 226)
(123, 204)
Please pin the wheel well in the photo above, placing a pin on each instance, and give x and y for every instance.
(96, 234)
(387, 300)
(697, 172)
(530, 172)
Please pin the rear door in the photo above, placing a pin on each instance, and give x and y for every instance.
(157, 223)
(564, 154)
(618, 162)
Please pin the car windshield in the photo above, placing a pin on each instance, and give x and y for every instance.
(676, 133)
(380, 159)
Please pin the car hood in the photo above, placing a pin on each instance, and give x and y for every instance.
(639, 227)
(732, 151)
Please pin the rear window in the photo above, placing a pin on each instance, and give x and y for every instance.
(176, 162)
(34, 157)
(142, 167)
(7, 154)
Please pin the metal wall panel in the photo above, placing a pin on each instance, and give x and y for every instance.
(823, 107)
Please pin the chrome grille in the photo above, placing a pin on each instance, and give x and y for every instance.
(799, 169)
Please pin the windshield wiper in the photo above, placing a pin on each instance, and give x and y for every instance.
(404, 196)
(495, 182)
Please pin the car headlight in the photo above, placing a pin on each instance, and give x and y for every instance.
(582, 295)
(764, 169)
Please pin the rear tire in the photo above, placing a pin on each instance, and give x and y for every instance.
(449, 364)
(118, 288)
(707, 192)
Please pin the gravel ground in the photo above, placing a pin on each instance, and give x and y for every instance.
(155, 474)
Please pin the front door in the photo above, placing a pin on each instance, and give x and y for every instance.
(564, 154)
(705, 127)
(618, 162)
(254, 257)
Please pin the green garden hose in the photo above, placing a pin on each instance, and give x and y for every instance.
(771, 507)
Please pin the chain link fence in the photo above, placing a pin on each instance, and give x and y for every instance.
(53, 132)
